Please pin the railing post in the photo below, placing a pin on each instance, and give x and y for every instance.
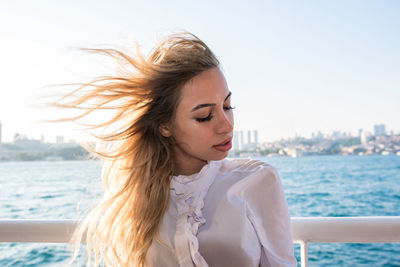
(304, 253)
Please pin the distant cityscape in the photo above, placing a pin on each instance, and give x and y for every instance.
(337, 143)
(245, 143)
(23, 148)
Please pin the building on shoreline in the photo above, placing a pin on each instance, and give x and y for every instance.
(379, 129)
(238, 143)
(24, 149)
(337, 143)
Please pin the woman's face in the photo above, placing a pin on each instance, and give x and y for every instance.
(203, 124)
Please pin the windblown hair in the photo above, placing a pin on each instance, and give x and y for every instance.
(138, 161)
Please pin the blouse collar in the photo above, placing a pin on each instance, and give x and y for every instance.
(196, 181)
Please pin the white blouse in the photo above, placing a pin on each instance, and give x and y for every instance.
(232, 213)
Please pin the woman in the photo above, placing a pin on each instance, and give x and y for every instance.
(171, 198)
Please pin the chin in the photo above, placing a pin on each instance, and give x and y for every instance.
(221, 155)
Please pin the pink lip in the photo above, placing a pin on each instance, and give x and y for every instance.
(224, 146)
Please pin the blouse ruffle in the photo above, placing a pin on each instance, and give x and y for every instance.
(188, 192)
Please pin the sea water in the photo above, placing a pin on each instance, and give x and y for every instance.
(314, 186)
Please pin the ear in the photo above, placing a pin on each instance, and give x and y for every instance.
(165, 130)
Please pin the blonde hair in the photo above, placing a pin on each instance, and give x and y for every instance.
(139, 161)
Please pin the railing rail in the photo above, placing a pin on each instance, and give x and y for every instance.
(37, 231)
(383, 229)
(380, 229)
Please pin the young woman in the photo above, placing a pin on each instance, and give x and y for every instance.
(171, 196)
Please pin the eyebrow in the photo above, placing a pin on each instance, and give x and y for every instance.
(209, 104)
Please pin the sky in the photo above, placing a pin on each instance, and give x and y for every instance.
(294, 67)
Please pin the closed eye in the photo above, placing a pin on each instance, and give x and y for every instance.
(229, 108)
(205, 118)
(209, 117)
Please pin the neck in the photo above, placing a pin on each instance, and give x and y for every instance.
(188, 166)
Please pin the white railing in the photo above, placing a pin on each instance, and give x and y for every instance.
(344, 230)
(305, 230)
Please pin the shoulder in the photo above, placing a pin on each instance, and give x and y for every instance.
(253, 175)
(247, 167)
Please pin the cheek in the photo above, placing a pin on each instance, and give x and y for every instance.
(201, 132)
(195, 134)
(188, 130)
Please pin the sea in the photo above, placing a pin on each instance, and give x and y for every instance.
(314, 186)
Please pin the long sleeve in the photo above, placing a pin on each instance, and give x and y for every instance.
(268, 212)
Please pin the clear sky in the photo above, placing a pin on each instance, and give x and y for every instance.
(294, 67)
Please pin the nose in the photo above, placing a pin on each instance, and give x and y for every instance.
(225, 123)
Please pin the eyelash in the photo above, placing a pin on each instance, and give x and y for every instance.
(209, 117)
